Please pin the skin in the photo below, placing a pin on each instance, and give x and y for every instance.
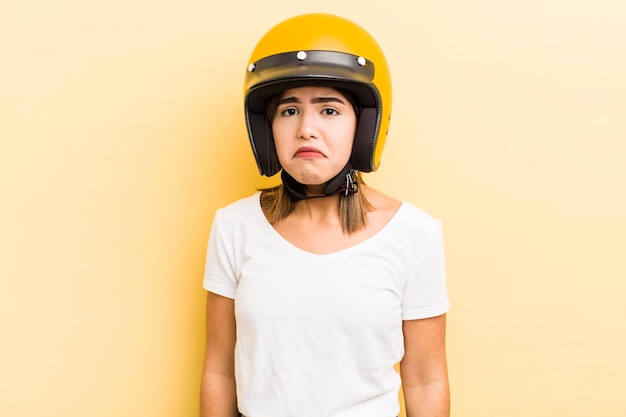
(424, 368)
(313, 131)
(218, 397)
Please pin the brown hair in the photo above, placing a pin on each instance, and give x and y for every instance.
(353, 207)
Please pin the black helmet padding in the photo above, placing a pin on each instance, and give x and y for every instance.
(277, 73)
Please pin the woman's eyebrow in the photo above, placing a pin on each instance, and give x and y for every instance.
(288, 100)
(330, 99)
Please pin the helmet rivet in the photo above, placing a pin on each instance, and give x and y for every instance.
(301, 56)
(251, 67)
(361, 61)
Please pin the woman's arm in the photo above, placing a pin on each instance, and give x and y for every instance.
(218, 396)
(424, 368)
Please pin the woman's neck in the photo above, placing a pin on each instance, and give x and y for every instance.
(318, 208)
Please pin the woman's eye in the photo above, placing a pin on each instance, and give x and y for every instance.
(330, 112)
(290, 111)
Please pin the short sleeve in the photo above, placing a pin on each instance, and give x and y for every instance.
(220, 275)
(425, 293)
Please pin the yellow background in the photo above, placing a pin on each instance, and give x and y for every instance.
(121, 132)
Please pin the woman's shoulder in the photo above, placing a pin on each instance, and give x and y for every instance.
(245, 207)
(380, 201)
(389, 207)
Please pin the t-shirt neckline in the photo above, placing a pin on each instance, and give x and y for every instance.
(296, 250)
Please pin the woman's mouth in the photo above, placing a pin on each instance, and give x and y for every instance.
(309, 152)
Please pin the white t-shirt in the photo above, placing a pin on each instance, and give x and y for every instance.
(319, 335)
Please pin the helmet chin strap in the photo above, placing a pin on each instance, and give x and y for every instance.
(343, 183)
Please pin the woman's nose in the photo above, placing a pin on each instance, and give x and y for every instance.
(308, 127)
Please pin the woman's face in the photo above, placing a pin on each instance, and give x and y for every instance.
(313, 130)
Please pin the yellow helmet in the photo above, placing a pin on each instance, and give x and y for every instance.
(319, 49)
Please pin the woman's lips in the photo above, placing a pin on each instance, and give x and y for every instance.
(308, 152)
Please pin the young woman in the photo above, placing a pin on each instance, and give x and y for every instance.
(319, 287)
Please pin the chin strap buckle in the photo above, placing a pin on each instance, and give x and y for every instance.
(351, 185)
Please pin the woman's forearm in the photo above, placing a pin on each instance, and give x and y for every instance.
(427, 400)
(218, 397)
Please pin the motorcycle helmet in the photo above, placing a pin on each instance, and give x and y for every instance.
(319, 49)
